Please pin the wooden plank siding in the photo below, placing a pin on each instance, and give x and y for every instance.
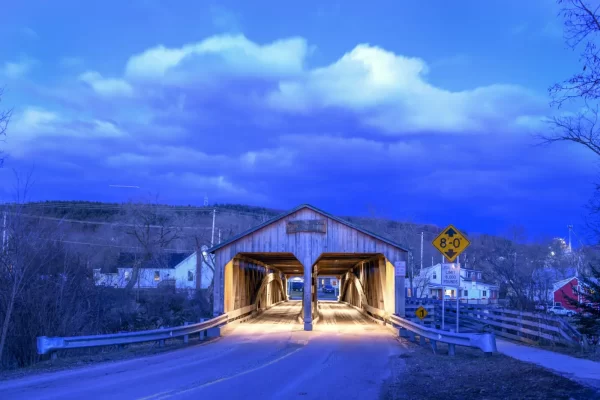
(307, 247)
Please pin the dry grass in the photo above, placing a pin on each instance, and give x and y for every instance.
(471, 375)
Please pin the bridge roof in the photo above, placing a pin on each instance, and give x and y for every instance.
(315, 209)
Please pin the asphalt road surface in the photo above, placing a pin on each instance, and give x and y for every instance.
(272, 357)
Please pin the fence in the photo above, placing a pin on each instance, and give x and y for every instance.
(527, 327)
(522, 326)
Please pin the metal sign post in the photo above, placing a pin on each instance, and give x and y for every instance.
(458, 297)
(450, 278)
(443, 306)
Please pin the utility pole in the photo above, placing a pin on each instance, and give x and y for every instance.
(4, 232)
(219, 235)
(205, 201)
(212, 237)
(421, 251)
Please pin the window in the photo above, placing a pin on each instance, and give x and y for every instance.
(479, 275)
(190, 276)
(466, 293)
(434, 275)
(484, 293)
(157, 275)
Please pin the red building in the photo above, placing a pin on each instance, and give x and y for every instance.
(565, 289)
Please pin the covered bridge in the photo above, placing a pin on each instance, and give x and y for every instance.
(252, 269)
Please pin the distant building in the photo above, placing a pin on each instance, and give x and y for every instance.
(472, 289)
(169, 269)
(565, 290)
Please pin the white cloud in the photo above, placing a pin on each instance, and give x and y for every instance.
(16, 69)
(106, 129)
(230, 54)
(390, 92)
(109, 87)
(34, 123)
(384, 90)
(33, 119)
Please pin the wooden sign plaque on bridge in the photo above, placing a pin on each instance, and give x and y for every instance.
(306, 225)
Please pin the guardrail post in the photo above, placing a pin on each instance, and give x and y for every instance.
(53, 355)
(422, 340)
(161, 342)
(451, 350)
(433, 346)
(186, 338)
(202, 334)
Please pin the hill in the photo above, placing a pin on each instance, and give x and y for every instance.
(106, 226)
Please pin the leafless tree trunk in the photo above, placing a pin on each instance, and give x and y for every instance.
(4, 119)
(153, 231)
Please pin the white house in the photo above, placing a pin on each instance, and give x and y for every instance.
(170, 269)
(429, 284)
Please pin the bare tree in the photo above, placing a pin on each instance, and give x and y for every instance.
(22, 257)
(153, 230)
(4, 119)
(581, 28)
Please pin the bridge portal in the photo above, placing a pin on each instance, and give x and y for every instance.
(252, 269)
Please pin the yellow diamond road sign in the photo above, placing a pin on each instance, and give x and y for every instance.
(421, 312)
(451, 243)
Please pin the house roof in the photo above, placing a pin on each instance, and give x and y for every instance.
(164, 260)
(563, 282)
(315, 209)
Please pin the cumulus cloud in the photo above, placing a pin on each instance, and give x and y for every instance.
(224, 55)
(391, 93)
(385, 91)
(109, 87)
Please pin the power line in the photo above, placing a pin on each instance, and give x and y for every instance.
(109, 245)
(79, 221)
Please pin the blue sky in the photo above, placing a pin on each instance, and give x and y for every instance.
(421, 111)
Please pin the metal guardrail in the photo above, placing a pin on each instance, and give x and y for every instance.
(485, 342)
(47, 345)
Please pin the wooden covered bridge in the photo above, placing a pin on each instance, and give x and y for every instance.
(252, 268)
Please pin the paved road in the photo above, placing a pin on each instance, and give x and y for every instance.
(347, 357)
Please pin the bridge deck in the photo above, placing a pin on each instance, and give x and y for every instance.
(284, 313)
(332, 314)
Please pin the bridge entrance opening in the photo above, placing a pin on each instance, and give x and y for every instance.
(308, 266)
